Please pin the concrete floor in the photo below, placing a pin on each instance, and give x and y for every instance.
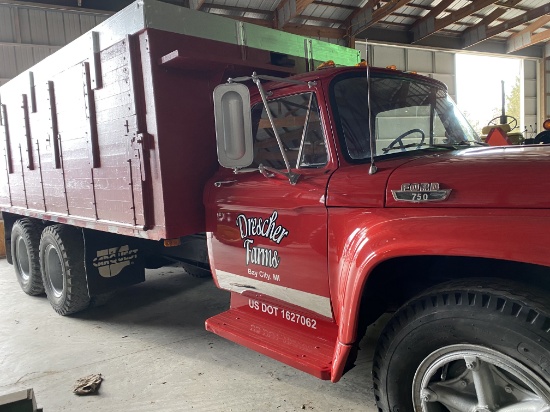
(150, 345)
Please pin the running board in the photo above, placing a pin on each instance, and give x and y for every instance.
(309, 350)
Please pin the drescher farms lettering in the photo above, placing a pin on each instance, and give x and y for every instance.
(256, 226)
(266, 228)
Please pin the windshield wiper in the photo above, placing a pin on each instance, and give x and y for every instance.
(451, 146)
(458, 145)
(418, 145)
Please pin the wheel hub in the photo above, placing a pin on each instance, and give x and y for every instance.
(54, 269)
(472, 378)
(23, 261)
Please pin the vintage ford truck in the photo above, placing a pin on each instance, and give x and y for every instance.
(351, 192)
(345, 193)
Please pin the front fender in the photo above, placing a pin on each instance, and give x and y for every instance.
(360, 239)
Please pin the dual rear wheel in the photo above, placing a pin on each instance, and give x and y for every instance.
(25, 244)
(51, 260)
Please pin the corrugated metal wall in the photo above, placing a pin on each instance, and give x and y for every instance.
(31, 32)
(530, 95)
(441, 66)
(432, 63)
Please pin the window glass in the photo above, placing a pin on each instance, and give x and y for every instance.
(299, 126)
(407, 114)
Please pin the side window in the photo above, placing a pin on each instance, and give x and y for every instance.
(299, 126)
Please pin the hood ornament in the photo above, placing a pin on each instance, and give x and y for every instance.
(420, 193)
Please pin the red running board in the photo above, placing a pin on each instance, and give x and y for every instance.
(302, 349)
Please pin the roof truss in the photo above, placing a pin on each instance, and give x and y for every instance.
(515, 26)
(527, 36)
(484, 32)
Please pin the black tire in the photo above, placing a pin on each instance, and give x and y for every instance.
(496, 320)
(62, 266)
(25, 242)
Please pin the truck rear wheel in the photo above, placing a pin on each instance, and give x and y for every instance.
(25, 241)
(62, 265)
(466, 346)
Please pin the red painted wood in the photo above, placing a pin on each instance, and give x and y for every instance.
(132, 150)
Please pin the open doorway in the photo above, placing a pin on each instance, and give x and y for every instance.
(479, 88)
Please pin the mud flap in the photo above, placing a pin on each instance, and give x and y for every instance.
(112, 261)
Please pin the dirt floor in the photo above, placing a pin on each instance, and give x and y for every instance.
(150, 345)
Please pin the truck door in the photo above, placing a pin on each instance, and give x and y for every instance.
(269, 237)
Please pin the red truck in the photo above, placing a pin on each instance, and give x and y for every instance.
(344, 193)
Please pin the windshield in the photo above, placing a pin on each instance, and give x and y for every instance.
(407, 114)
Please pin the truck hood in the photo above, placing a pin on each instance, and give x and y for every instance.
(482, 177)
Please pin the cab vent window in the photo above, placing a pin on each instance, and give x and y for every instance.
(299, 126)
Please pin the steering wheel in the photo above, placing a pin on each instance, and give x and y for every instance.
(512, 121)
(399, 139)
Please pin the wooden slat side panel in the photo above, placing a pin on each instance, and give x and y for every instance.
(116, 126)
(74, 141)
(139, 160)
(5, 196)
(46, 132)
(14, 114)
(152, 189)
(30, 154)
(61, 178)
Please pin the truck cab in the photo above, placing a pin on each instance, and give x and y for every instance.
(350, 192)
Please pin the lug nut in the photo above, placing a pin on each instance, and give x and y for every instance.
(428, 395)
(471, 365)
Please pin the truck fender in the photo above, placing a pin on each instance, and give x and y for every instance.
(391, 233)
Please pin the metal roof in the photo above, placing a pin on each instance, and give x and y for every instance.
(499, 26)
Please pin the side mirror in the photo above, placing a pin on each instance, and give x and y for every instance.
(233, 125)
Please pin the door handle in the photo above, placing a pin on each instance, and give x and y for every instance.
(224, 182)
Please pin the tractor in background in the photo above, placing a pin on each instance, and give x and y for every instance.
(500, 130)
(502, 133)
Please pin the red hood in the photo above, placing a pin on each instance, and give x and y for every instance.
(483, 177)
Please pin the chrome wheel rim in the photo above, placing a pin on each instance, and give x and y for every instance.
(472, 378)
(23, 260)
(54, 269)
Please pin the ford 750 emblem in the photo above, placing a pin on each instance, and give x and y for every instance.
(420, 192)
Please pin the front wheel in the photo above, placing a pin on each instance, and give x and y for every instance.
(475, 346)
